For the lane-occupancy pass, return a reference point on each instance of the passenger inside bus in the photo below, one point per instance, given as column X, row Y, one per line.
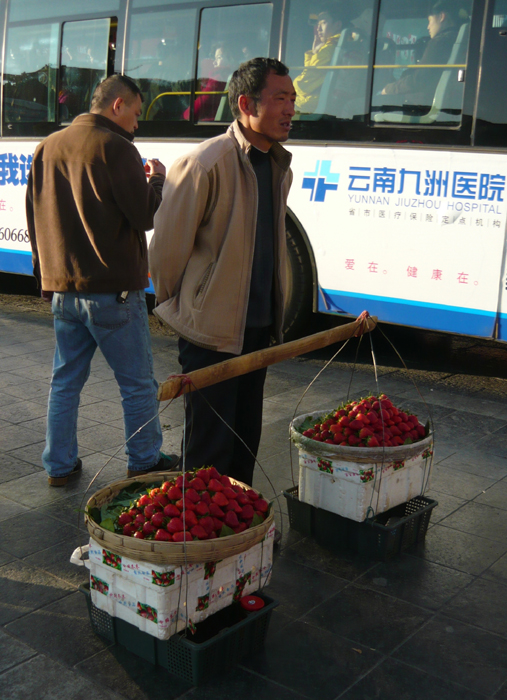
column 416, row 86
column 331, row 21
column 214, row 74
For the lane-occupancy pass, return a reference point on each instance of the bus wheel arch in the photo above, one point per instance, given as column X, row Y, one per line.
column 301, row 280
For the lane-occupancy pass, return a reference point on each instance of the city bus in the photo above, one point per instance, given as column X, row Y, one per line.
column 398, row 202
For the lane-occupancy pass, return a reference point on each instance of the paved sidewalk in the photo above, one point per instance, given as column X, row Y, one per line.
column 429, row 625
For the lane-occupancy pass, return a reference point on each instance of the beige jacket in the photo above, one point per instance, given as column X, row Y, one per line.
column 202, row 249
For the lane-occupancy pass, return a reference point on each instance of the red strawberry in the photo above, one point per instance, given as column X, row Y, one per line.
column 335, row 429
column 372, row 441
column 189, row 518
column 220, row 499
column 215, row 485
column 182, row 536
column 229, row 493
column 365, row 432
column 421, row 430
column 201, row 508
column 262, row 505
column 178, row 482
column 198, row 484
column 145, row 501
column 225, row 481
column 235, row 506
column 148, row 528
column 133, row 512
column 140, row 519
column 205, row 497
column 149, row 511
column 139, row 534
column 171, row 511
column 124, row 519
column 243, row 499
column 129, row 529
column 231, row 519
column 356, row 424
column 174, row 525
column 199, row 532
column 353, row 440
column 163, row 536
column 174, row 493
column 212, row 535
column 192, row 495
column 344, row 421
column 207, row 523
column 217, row 524
column 204, row 474
column 241, row 527
column 247, row 513
column 214, row 473
column 216, row 511
column 158, row 520
column 237, row 488
column 252, row 495
column 161, row 500
column 404, row 427
column 189, row 505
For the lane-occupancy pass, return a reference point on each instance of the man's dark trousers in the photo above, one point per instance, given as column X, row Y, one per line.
column 209, row 442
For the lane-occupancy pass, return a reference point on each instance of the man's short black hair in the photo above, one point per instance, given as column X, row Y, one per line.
column 449, row 7
column 338, row 11
column 109, row 89
column 250, row 79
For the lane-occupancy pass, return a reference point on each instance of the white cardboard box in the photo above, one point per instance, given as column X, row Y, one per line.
column 163, row 600
column 356, row 490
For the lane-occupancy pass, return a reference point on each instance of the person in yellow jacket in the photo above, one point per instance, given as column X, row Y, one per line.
column 327, row 32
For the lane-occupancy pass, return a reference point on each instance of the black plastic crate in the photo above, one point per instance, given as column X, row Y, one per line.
column 219, row 642
column 381, row 537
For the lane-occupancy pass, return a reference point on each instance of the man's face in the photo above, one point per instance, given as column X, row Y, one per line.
column 128, row 114
column 434, row 24
column 326, row 28
column 275, row 109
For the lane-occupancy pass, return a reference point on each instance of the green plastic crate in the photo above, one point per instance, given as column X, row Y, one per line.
column 382, row 537
column 219, row 643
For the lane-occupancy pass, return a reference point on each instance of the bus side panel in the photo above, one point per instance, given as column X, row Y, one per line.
column 415, row 236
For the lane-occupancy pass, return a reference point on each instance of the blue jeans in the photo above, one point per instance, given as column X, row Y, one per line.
column 83, row 322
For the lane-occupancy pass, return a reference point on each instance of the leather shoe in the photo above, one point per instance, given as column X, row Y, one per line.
column 62, row 480
column 166, row 463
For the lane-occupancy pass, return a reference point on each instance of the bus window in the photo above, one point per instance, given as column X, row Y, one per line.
column 328, row 51
column 87, row 52
column 159, row 57
column 420, row 62
column 228, row 36
column 31, row 59
column 491, row 120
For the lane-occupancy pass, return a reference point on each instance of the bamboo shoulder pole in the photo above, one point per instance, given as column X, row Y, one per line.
column 177, row 385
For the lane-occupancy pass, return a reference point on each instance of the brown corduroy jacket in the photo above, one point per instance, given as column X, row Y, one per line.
column 88, row 206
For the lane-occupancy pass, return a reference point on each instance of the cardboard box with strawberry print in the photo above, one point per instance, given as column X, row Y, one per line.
column 163, row 600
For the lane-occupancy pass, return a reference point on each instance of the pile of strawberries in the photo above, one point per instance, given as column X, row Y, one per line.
column 370, row 422
column 203, row 506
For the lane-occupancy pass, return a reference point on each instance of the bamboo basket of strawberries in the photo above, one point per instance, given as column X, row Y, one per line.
column 165, row 518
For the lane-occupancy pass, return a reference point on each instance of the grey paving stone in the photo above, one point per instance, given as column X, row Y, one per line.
column 36, row 391
column 459, row 550
column 8, row 399
column 298, row 588
column 309, row 660
column 102, row 412
column 480, row 665
column 8, row 509
column 67, row 623
column 132, row 678
column 26, row 588
column 478, row 462
column 458, row 483
column 482, row 520
column 307, row 552
column 13, row 437
column 12, row 652
column 13, row 468
column 497, row 571
column 58, row 683
column 102, row 437
column 392, row 679
column 23, row 534
column 481, row 604
column 372, row 619
column 55, row 560
column 416, row 581
column 495, row 496
column 446, row 505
